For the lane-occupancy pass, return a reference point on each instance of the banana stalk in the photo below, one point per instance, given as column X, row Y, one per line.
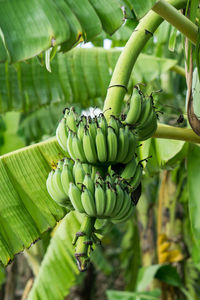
column 84, row 243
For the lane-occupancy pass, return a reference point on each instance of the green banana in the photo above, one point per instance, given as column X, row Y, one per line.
column 80, row 130
column 129, row 169
column 136, row 179
column 131, row 147
column 69, row 162
column 56, row 180
column 95, row 173
column 135, row 108
column 87, row 168
column 71, row 119
column 146, row 110
column 66, row 177
column 60, row 164
column 114, row 123
column 112, row 143
column 57, row 197
column 88, row 202
column 119, row 201
column 98, row 179
column 102, row 123
column 123, row 145
column 110, row 200
column 54, row 188
column 69, row 145
column 79, row 174
column 125, row 218
column 125, row 207
column 92, row 127
column 101, row 145
column 89, row 147
column 149, row 129
column 84, row 120
column 61, row 134
column 89, row 183
column 75, row 197
column 74, row 167
column 78, row 149
column 100, row 200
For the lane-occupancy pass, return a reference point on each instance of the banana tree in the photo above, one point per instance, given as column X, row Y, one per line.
column 83, row 77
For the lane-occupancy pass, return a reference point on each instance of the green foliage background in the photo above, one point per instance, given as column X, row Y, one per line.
column 42, row 72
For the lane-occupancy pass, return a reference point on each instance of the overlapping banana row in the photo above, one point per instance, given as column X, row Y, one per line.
column 84, row 188
column 141, row 115
column 94, row 141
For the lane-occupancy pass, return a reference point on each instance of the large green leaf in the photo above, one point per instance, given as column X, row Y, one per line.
column 26, row 208
column 30, row 28
column 58, row 269
column 167, row 149
column 141, row 7
column 79, row 76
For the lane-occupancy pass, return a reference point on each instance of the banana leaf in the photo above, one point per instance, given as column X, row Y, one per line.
column 78, row 76
column 27, row 29
column 26, row 209
column 58, row 270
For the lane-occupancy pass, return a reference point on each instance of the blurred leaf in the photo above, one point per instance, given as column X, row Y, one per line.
column 145, row 277
column 131, row 256
column 11, row 140
column 58, row 270
column 100, row 261
column 151, row 295
column 2, row 275
column 196, row 93
column 51, row 24
column 153, row 67
column 41, row 122
column 172, row 39
column 169, row 275
column 193, row 190
column 193, row 9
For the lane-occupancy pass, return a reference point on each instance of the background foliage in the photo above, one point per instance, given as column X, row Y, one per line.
column 154, row 255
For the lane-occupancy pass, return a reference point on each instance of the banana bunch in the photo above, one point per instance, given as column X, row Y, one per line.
column 94, row 140
column 142, row 115
column 81, row 187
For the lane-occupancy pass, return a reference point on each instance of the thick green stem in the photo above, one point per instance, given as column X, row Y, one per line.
column 176, row 133
column 127, row 59
column 174, row 17
column 83, row 242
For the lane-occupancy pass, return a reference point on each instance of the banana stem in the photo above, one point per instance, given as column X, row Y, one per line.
column 84, row 243
column 179, row 70
column 174, row 17
column 175, row 133
column 127, row 59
